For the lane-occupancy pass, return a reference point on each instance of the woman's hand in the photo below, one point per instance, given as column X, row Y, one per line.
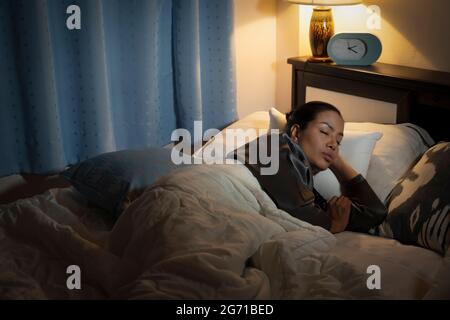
column 339, row 211
column 337, row 163
column 342, row 170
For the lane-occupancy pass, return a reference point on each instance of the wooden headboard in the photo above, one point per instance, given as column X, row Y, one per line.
column 422, row 96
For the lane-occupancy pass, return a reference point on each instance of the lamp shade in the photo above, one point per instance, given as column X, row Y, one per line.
column 327, row 2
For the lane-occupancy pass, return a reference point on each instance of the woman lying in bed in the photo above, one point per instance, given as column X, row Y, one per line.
column 310, row 144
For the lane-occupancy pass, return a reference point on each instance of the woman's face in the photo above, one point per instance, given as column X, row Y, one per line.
column 321, row 138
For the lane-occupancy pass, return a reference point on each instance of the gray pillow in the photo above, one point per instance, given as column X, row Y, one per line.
column 107, row 180
column 419, row 206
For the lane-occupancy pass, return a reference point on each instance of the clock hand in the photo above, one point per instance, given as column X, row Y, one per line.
column 351, row 49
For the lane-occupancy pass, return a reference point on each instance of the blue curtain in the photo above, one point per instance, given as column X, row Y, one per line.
column 134, row 72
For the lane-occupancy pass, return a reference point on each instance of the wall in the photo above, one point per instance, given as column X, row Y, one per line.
column 413, row 32
column 266, row 35
column 287, row 46
column 255, row 43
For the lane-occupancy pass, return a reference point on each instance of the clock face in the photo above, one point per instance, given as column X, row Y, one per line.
column 348, row 49
column 354, row 49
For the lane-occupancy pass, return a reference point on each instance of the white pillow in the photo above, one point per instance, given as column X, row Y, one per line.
column 397, row 151
column 259, row 121
column 277, row 119
column 392, row 156
column 356, row 148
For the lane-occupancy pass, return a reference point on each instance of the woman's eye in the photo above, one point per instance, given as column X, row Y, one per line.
column 324, row 132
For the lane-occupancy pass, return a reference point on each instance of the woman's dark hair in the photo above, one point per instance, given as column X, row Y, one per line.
column 306, row 113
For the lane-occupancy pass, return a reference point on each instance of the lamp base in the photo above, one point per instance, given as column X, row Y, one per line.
column 321, row 29
column 319, row 60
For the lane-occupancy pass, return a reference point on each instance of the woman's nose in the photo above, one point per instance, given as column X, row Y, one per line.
column 332, row 145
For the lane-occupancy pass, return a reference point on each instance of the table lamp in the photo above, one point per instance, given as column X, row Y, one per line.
column 322, row 26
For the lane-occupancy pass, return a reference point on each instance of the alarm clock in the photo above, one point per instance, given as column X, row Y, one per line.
column 354, row 49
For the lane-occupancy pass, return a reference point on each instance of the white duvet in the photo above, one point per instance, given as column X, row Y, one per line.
column 205, row 232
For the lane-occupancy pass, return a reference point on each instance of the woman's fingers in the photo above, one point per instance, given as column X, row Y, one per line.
column 339, row 210
column 333, row 200
column 344, row 202
column 341, row 207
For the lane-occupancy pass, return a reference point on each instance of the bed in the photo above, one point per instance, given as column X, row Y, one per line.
column 210, row 231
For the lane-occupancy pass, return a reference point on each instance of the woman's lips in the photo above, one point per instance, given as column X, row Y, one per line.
column 327, row 157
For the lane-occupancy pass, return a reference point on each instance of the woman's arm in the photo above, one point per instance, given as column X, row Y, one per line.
column 366, row 211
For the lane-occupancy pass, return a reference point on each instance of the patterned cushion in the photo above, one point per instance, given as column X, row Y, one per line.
column 419, row 206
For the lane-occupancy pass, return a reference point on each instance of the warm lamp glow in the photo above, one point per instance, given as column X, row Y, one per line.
column 327, row 2
column 322, row 25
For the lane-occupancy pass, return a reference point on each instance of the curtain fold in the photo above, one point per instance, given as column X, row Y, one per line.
column 204, row 62
column 136, row 70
